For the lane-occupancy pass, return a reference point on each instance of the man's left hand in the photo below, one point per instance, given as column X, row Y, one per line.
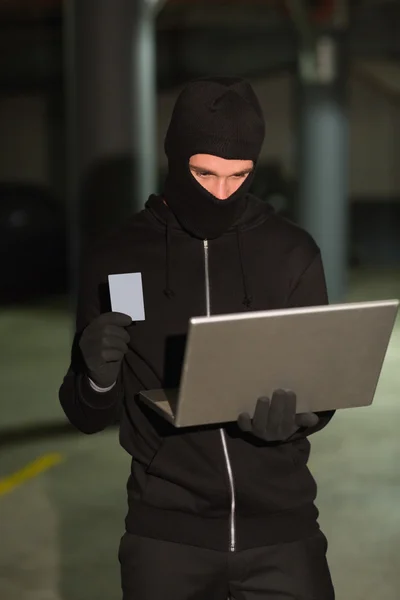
column 275, row 419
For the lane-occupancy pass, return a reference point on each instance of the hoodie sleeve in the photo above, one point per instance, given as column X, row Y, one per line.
column 310, row 290
column 88, row 410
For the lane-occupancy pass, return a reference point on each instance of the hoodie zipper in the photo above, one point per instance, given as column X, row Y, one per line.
column 232, row 537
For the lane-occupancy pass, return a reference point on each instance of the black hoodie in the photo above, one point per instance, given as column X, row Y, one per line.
column 214, row 487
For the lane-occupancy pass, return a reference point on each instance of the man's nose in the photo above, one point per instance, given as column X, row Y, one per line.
column 222, row 189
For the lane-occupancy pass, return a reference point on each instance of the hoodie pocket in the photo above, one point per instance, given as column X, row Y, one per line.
column 270, row 478
column 187, row 474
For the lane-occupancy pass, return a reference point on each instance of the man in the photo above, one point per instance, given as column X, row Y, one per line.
column 213, row 511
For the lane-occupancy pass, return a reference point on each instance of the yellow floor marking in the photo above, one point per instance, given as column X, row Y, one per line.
column 33, row 469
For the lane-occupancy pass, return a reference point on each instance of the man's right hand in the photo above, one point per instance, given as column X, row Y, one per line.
column 104, row 344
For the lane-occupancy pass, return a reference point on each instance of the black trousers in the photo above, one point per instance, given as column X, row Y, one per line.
column 157, row 570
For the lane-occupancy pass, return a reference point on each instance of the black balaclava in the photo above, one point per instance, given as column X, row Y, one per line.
column 221, row 117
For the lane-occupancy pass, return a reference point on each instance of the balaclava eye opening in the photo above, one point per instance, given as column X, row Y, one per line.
column 221, row 117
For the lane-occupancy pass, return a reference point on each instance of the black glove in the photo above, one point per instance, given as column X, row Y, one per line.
column 276, row 420
column 104, row 344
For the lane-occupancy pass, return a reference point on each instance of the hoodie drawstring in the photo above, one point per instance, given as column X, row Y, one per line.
column 248, row 299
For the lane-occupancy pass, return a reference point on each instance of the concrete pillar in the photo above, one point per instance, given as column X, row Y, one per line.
column 323, row 157
column 110, row 89
column 144, row 101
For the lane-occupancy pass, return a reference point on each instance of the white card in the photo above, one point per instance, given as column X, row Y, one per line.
column 126, row 293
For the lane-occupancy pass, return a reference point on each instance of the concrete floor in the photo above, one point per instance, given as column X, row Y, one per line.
column 60, row 530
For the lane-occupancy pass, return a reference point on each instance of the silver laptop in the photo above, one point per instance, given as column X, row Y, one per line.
column 330, row 356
